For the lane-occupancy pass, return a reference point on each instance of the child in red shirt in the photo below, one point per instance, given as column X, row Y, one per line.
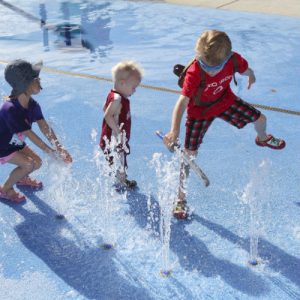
column 206, row 94
column 116, row 125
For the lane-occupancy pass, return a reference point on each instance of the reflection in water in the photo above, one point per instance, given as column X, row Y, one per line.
column 92, row 33
column 43, row 15
column 64, row 30
column 95, row 22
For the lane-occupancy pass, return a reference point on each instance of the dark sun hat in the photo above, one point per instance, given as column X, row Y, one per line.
column 20, row 73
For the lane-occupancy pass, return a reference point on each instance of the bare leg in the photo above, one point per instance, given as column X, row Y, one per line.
column 180, row 210
column 27, row 162
column 260, row 126
column 184, row 174
column 122, row 174
column 121, row 171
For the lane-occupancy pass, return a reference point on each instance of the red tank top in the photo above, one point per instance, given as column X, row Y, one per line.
column 124, row 118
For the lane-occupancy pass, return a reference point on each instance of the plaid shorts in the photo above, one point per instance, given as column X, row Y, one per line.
column 239, row 114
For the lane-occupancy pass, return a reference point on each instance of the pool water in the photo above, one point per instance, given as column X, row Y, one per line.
column 42, row 257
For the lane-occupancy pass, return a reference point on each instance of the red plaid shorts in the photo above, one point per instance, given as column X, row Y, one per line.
column 239, row 114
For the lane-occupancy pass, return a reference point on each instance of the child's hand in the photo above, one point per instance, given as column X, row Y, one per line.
column 65, row 155
column 251, row 77
column 170, row 140
column 122, row 142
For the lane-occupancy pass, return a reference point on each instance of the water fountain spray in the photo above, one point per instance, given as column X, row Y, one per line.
column 167, row 174
column 106, row 187
column 254, row 195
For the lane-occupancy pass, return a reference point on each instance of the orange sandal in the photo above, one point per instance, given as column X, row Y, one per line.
column 29, row 182
column 12, row 196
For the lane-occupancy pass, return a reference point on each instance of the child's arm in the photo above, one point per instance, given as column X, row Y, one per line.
column 38, row 141
column 111, row 115
column 178, row 111
column 251, row 77
column 50, row 135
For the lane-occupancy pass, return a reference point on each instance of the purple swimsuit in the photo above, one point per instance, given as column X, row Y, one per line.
column 14, row 119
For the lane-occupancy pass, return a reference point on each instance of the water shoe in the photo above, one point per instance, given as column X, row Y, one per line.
column 29, row 182
column 12, row 196
column 271, row 142
column 180, row 210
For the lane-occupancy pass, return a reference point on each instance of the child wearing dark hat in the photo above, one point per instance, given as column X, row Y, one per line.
column 16, row 117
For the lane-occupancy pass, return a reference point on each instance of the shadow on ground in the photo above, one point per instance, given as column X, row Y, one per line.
column 276, row 258
column 194, row 255
column 90, row 271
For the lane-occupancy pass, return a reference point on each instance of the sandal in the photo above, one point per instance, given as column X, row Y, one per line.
column 29, row 182
column 271, row 142
column 121, row 179
column 12, row 196
column 180, row 210
column 130, row 184
column 126, row 185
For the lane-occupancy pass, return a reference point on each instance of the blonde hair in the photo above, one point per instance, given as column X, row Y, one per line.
column 124, row 69
column 213, row 46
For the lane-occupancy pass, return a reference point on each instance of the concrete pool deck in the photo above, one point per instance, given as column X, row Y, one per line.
column 289, row 8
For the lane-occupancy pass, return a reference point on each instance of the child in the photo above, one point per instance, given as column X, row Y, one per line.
column 207, row 95
column 16, row 117
column 116, row 126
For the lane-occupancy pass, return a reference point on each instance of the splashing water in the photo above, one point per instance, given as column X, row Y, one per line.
column 62, row 185
column 106, row 190
column 256, row 192
column 167, row 174
column 106, row 196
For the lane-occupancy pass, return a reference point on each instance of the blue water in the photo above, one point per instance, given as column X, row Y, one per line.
column 45, row 258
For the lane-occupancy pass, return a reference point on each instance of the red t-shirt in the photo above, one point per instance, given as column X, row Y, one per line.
column 214, row 88
column 124, row 117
